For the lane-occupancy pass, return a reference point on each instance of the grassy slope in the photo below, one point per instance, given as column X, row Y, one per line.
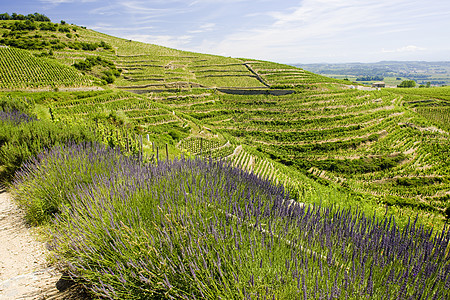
column 301, row 140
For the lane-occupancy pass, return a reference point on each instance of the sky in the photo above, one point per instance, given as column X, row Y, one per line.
column 285, row 31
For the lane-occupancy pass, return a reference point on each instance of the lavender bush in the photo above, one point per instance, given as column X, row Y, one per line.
column 198, row 229
column 22, row 137
column 45, row 182
column 15, row 116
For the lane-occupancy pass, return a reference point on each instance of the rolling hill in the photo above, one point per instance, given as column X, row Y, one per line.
column 149, row 67
column 281, row 122
column 166, row 174
column 391, row 72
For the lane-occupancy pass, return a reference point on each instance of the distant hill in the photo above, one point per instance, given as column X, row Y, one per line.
column 393, row 72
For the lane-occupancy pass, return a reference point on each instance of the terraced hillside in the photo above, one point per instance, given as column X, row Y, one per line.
column 371, row 142
column 130, row 121
column 147, row 67
column 280, row 122
column 279, row 75
column 136, row 110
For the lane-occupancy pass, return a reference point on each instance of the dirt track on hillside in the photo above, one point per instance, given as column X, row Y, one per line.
column 24, row 273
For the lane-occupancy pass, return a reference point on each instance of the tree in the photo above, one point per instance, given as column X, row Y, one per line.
column 27, row 25
column 38, row 17
column 48, row 26
column 17, row 16
column 5, row 16
column 407, row 84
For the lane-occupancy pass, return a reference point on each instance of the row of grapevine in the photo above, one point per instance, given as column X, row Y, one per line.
column 439, row 115
column 199, row 145
column 354, row 138
column 125, row 107
column 270, row 170
column 19, row 69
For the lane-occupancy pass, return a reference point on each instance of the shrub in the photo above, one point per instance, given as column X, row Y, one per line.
column 407, row 84
column 48, row 26
column 40, row 198
column 27, row 25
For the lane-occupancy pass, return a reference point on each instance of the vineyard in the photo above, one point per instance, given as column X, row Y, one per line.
column 279, row 75
column 181, row 146
column 147, row 72
column 200, row 146
column 439, row 115
column 20, row 70
column 148, row 68
column 367, row 141
column 259, row 166
column 442, row 93
column 433, row 105
column 110, row 110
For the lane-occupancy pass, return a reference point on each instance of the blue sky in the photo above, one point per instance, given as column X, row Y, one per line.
column 287, row 31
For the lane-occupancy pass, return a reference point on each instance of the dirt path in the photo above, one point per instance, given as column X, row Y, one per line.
column 24, row 273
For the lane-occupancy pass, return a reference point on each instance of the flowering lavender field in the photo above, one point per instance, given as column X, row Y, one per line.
column 201, row 229
column 15, row 116
column 23, row 136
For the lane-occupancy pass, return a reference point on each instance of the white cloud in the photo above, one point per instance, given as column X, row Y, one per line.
column 197, row 2
column 410, row 48
column 139, row 12
column 56, row 2
column 323, row 30
column 284, row 31
column 163, row 40
column 113, row 29
column 203, row 28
